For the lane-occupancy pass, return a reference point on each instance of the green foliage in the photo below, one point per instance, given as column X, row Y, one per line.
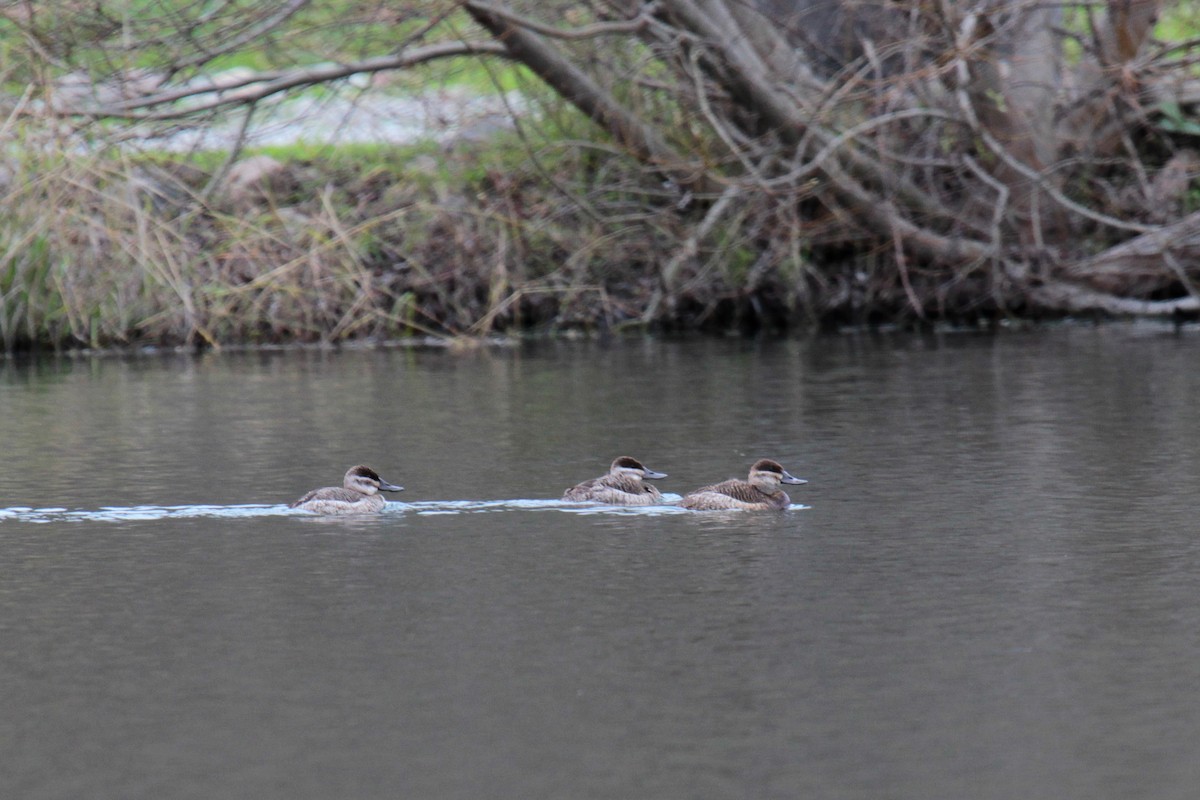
column 1174, row 120
column 1179, row 22
column 190, row 37
column 738, row 258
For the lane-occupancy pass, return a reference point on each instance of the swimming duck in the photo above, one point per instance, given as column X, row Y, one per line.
column 760, row 493
column 358, row 494
column 622, row 486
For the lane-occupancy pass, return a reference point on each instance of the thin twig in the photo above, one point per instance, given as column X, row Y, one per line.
column 902, row 266
column 262, row 85
column 222, row 172
column 593, row 31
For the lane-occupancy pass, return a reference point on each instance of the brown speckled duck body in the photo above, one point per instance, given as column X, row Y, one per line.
column 760, row 493
column 624, row 485
column 358, row 494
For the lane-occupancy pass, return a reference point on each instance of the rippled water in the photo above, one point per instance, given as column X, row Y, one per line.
column 991, row 593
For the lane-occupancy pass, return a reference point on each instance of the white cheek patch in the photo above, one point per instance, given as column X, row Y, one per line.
column 768, row 480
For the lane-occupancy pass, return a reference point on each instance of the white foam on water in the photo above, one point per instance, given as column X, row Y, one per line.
column 420, row 508
column 125, row 514
column 485, row 506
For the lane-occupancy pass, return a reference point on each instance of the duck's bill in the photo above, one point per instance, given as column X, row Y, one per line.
column 384, row 486
column 652, row 475
column 792, row 480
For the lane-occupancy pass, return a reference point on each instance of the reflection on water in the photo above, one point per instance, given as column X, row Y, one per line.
column 990, row 594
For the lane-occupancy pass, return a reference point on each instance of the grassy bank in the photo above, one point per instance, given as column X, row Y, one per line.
column 532, row 231
column 105, row 248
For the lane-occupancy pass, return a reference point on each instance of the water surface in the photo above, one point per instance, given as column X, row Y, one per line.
column 991, row 594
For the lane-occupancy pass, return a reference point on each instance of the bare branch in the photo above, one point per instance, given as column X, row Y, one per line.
column 1140, row 259
column 576, row 86
column 742, row 70
column 883, row 215
column 1043, row 183
column 235, row 150
column 262, row 85
column 1001, row 199
column 593, row 31
column 832, row 145
column 1058, row 296
column 248, row 36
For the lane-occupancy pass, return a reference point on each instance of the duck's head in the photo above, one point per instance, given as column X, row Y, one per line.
column 366, row 480
column 767, row 475
column 634, row 468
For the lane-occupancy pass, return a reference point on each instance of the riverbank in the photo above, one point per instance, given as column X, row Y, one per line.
column 472, row 229
column 451, row 238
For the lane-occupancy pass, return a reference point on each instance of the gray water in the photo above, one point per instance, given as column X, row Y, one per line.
column 992, row 592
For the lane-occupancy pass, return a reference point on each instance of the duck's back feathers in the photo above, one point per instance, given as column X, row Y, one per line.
column 582, row 492
column 734, row 494
column 336, row 500
column 334, row 493
column 614, row 490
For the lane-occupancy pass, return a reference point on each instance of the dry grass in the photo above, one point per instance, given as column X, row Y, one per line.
column 104, row 248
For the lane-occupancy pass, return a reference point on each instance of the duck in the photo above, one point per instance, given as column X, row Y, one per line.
column 622, row 486
column 358, row 494
column 760, row 492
